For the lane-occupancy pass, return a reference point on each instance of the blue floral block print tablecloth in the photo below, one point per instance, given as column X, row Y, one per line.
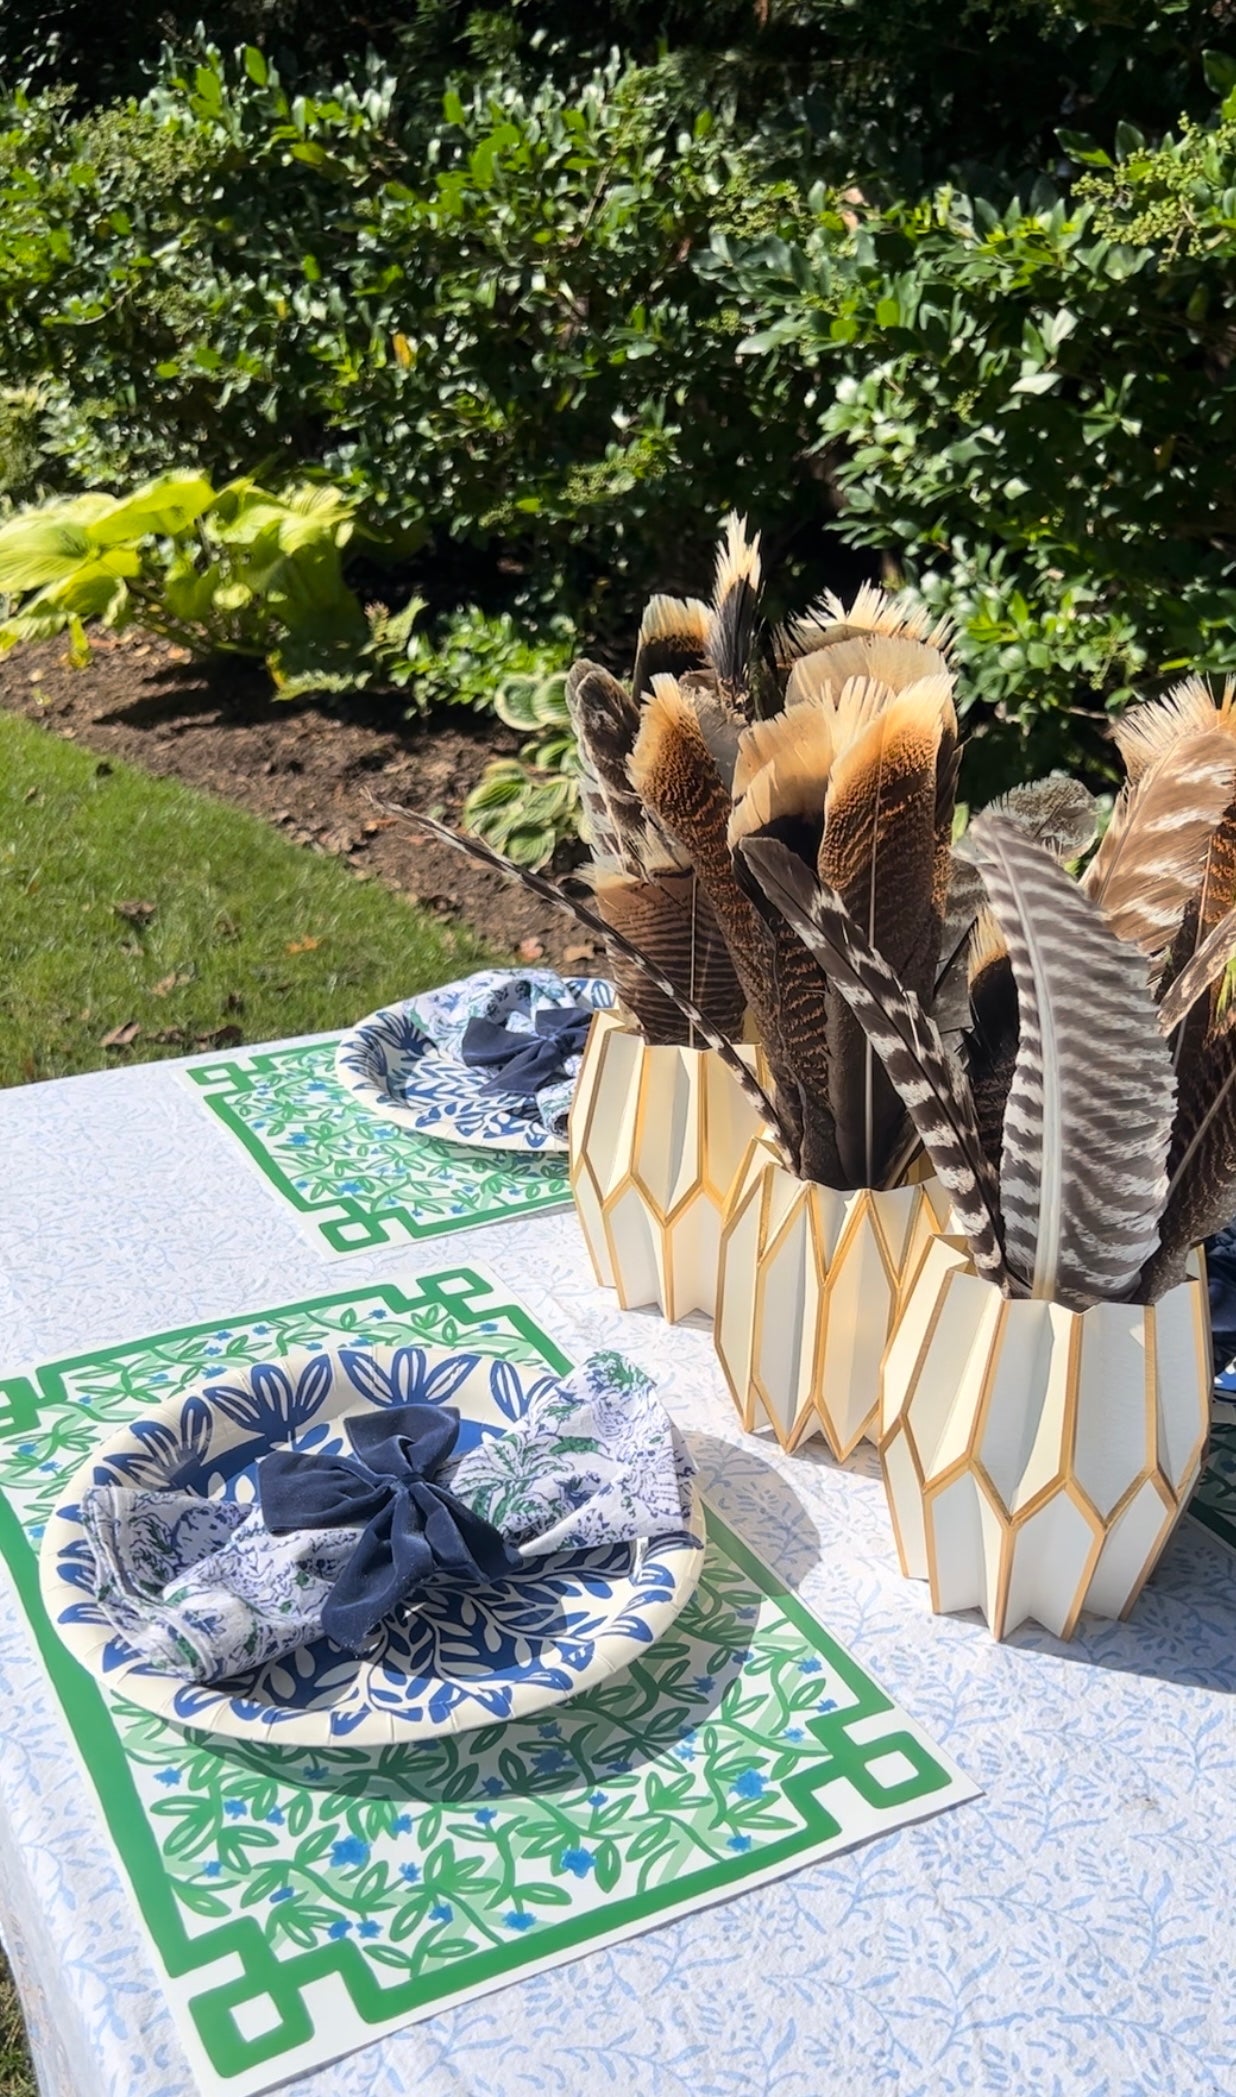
column 299, row 1903
column 351, row 1180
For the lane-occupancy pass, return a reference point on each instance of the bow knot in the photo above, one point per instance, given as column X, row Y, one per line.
column 415, row 1533
column 524, row 1064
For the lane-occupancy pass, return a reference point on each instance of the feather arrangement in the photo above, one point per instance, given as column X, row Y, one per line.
column 773, row 857
column 1090, row 1141
column 645, row 886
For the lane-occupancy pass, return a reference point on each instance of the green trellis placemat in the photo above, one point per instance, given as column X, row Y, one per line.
column 352, row 1181
column 299, row 1903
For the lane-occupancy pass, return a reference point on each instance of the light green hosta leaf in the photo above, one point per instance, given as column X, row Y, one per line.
column 40, row 548
column 162, row 509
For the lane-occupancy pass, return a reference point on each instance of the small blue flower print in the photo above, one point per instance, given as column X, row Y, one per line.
column 702, row 1685
column 810, row 1667
column 827, row 1704
column 441, row 1911
column 235, row 1808
column 519, row 1922
column 339, row 1929
column 486, row 1816
column 168, row 1776
column 350, row 1851
column 578, row 1861
column 547, row 1760
column 549, row 1731
column 794, row 1733
column 749, row 1785
column 370, row 1929
column 275, row 1816
column 280, row 1893
column 493, row 1787
column 739, row 1842
column 299, row 1139
column 596, row 1798
column 212, row 1870
column 410, row 1872
column 403, row 1826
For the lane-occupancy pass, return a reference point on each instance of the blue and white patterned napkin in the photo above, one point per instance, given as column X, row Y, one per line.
column 508, row 998
column 202, row 1589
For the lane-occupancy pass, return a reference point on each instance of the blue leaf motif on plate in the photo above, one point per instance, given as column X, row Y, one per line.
column 507, row 1391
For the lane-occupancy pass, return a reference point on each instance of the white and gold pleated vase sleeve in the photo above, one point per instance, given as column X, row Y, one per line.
column 656, row 1137
column 1037, row 1459
column 810, row 1284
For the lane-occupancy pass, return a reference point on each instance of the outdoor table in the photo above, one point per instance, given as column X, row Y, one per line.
column 1070, row 1930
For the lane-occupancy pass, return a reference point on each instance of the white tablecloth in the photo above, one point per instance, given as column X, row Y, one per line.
column 1069, row 1934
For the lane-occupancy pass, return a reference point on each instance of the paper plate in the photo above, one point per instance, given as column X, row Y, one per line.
column 391, row 1068
column 464, row 1660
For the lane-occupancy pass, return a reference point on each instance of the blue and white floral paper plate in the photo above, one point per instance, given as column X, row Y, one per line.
column 464, row 1660
column 391, row 1067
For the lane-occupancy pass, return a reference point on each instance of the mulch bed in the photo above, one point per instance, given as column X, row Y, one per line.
column 304, row 766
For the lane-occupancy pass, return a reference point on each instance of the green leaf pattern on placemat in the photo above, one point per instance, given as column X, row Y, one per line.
column 353, row 1180
column 746, row 1741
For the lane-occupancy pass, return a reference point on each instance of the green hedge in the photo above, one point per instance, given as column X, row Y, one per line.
column 936, row 284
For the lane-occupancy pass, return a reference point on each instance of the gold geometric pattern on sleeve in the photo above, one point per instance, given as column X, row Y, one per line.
column 810, row 1282
column 1036, row 1459
column 656, row 1136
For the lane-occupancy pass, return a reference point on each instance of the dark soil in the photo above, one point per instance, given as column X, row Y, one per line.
column 309, row 768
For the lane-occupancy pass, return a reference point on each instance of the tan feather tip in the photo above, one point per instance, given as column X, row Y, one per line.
column 683, row 619
column 668, row 712
column 785, row 765
column 987, row 944
column 878, row 611
column 738, row 558
column 1143, row 733
column 801, row 739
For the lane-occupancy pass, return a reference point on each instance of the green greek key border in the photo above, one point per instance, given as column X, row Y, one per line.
column 346, row 1224
column 281, row 1981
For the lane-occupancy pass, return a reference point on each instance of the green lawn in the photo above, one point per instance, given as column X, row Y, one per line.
column 246, row 931
column 125, row 899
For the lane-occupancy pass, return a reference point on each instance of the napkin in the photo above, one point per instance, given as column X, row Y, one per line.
column 465, row 1020
column 209, row 1588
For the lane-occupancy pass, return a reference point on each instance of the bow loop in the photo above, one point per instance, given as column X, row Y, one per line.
column 414, row 1533
column 523, row 1064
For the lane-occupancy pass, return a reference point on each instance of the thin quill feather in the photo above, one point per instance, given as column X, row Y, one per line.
column 1089, row 1112
column 931, row 1086
column 1151, row 861
column 549, row 892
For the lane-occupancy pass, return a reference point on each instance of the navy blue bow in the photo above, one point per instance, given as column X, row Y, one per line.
column 416, row 1533
column 523, row 1063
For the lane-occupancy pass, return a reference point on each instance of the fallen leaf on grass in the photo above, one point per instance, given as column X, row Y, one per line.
column 376, row 823
column 223, row 1037
column 530, row 949
column 166, row 984
column 136, row 913
column 170, row 1037
column 32, row 793
column 122, row 1037
column 302, row 946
